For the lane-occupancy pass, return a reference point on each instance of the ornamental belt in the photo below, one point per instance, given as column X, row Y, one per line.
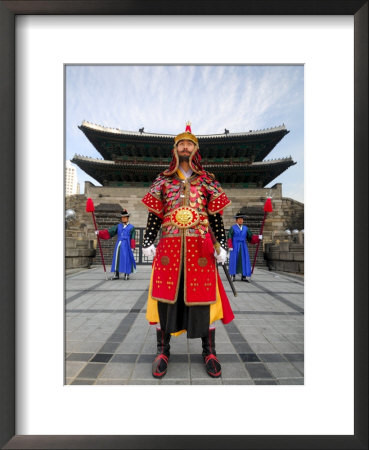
column 185, row 217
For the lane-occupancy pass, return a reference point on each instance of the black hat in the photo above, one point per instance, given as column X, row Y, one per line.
column 239, row 215
column 124, row 213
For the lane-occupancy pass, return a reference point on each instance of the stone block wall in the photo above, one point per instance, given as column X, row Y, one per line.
column 80, row 241
column 286, row 254
column 108, row 200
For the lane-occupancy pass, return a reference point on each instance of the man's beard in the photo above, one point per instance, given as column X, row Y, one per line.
column 184, row 158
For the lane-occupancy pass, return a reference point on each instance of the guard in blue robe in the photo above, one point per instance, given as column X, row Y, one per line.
column 239, row 259
column 123, row 259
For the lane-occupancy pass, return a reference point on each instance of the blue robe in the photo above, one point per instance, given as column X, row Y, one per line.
column 123, row 259
column 239, row 252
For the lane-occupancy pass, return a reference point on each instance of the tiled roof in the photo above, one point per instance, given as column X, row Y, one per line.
column 116, row 131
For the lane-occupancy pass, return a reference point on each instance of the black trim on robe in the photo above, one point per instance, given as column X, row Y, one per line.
column 152, row 229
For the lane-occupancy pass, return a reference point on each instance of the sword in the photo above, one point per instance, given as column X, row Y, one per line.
column 225, row 268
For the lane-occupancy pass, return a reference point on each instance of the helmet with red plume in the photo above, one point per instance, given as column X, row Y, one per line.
column 195, row 158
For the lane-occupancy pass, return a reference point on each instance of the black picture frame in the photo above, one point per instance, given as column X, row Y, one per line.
column 8, row 11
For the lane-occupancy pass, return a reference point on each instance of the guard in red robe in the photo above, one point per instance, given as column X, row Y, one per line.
column 186, row 293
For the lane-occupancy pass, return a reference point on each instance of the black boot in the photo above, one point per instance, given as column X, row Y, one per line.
column 160, row 364
column 245, row 279
column 116, row 276
column 126, row 276
column 212, row 365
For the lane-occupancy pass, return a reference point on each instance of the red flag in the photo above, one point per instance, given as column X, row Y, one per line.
column 90, row 205
column 268, row 205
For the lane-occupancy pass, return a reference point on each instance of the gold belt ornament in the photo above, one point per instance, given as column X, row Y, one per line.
column 185, row 217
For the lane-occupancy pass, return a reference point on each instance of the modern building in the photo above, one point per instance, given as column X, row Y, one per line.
column 71, row 182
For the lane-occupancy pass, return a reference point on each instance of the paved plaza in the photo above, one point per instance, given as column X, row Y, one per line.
column 109, row 341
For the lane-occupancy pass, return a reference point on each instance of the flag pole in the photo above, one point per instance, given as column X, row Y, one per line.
column 91, row 208
column 267, row 208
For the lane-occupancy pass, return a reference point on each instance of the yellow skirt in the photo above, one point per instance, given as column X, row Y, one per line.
column 152, row 315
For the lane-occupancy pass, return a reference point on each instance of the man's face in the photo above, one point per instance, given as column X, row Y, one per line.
column 239, row 221
column 185, row 148
column 124, row 219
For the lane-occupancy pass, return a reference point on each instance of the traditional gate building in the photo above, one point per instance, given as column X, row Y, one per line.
column 131, row 161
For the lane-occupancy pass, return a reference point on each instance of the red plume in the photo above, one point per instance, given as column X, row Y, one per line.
column 268, row 205
column 90, row 205
column 188, row 127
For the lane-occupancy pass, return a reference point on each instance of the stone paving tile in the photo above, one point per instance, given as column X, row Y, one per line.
column 294, row 357
column 178, row 370
column 130, row 347
column 83, row 381
column 206, row 381
column 223, row 348
column 294, row 337
column 152, row 380
column 289, row 381
column 234, row 370
column 258, row 370
column 299, row 366
column 286, row 347
column 122, row 371
column 271, row 357
column 146, row 358
column 170, row 381
column 243, row 347
column 124, row 358
column 244, row 329
column 283, row 370
column 102, row 357
column 109, row 347
column 72, row 368
column 275, row 337
column 265, row 382
column 255, row 338
column 300, row 347
column 85, row 346
column 77, row 335
column 142, row 371
column 198, row 370
column 238, row 381
column 263, row 348
column 79, row 356
column 91, row 370
column 111, row 381
column 249, row 357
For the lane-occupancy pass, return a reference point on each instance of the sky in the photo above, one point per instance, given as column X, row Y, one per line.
column 212, row 97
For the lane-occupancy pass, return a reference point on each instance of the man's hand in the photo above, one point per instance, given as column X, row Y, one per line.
column 221, row 258
column 97, row 232
column 260, row 237
column 149, row 251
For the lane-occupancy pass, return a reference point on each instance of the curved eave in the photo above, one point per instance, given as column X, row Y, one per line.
column 99, row 136
column 114, row 132
column 266, row 171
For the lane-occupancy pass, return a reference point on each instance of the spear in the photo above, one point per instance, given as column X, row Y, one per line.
column 267, row 208
column 91, row 208
column 217, row 249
